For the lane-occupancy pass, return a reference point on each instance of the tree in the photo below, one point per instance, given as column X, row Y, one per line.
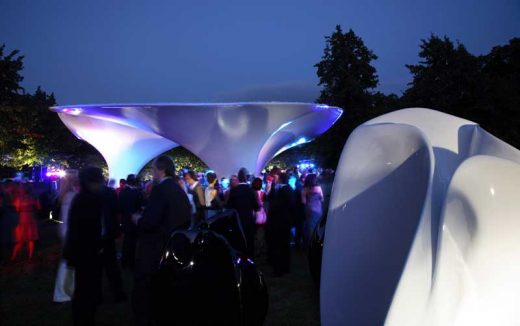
column 347, row 77
column 10, row 78
column 30, row 134
column 345, row 71
column 500, row 92
column 447, row 79
column 484, row 89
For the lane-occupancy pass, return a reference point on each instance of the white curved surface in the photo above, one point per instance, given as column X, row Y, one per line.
column 410, row 259
column 477, row 277
column 377, row 197
column 226, row 136
column 125, row 149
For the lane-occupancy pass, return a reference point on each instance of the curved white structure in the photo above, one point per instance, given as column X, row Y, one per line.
column 226, row 136
column 423, row 225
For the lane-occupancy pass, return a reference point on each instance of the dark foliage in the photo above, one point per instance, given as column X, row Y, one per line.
column 30, row 134
column 484, row 89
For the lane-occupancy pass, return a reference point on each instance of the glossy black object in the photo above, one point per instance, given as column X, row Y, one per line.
column 202, row 280
column 316, row 250
column 227, row 224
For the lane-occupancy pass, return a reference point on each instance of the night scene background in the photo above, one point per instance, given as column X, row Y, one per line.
column 367, row 57
column 454, row 56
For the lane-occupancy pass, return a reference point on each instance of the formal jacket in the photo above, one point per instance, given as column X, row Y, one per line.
column 130, row 201
column 244, row 199
column 168, row 209
column 282, row 207
column 83, row 242
column 110, row 219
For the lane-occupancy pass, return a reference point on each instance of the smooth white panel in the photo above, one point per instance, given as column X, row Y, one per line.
column 477, row 280
column 414, row 299
column 375, row 207
column 125, row 149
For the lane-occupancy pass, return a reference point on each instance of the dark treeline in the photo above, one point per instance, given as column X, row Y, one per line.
column 29, row 133
column 448, row 78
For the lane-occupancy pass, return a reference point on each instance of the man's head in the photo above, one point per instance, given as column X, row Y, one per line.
column 190, row 177
column 131, row 180
column 91, row 179
column 211, row 177
column 283, row 178
column 162, row 167
column 242, row 175
column 122, row 183
column 233, row 181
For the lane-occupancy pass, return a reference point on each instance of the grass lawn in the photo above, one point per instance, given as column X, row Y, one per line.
column 26, row 292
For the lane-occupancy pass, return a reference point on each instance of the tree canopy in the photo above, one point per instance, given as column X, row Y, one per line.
column 484, row 89
column 29, row 133
column 10, row 77
column 448, row 78
column 347, row 78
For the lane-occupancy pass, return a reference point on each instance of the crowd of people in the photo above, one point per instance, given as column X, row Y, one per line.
column 277, row 210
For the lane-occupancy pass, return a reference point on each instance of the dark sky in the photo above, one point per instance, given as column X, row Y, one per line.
column 167, row 51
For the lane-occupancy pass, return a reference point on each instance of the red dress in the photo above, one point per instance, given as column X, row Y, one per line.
column 27, row 229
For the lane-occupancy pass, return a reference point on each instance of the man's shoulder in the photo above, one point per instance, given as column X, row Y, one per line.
column 169, row 186
column 241, row 189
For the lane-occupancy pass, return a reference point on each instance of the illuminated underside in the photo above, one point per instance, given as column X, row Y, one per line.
column 226, row 136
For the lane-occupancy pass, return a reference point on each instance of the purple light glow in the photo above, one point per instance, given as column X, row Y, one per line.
column 55, row 174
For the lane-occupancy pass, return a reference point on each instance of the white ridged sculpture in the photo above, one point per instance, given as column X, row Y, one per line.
column 226, row 136
column 423, row 226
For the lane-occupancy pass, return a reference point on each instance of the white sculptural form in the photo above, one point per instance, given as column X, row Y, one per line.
column 423, row 226
column 226, row 136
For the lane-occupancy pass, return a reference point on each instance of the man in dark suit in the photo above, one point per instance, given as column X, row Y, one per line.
column 243, row 199
column 110, row 231
column 281, row 210
column 168, row 209
column 131, row 199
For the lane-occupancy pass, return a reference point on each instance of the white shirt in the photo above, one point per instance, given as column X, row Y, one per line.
column 209, row 195
column 194, row 185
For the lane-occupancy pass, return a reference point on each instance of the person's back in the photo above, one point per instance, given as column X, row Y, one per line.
column 130, row 201
column 83, row 245
column 313, row 200
column 243, row 199
column 110, row 213
column 110, row 231
column 281, row 211
column 312, row 197
column 83, row 239
column 282, row 205
column 167, row 209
